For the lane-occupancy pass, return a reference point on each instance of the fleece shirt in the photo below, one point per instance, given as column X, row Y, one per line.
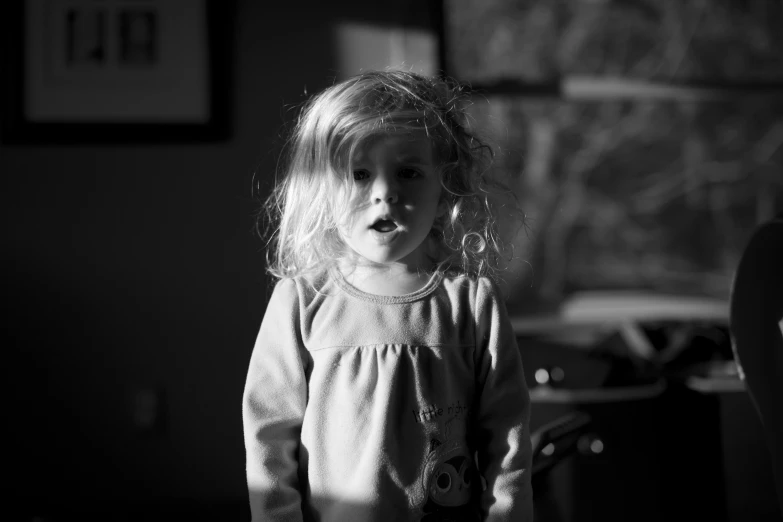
column 364, row 407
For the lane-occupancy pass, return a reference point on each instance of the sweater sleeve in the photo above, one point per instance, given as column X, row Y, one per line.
column 503, row 416
column 273, row 406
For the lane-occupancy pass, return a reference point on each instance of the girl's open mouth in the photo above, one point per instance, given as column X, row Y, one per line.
column 384, row 225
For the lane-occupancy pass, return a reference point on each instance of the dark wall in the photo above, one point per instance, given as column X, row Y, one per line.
column 131, row 268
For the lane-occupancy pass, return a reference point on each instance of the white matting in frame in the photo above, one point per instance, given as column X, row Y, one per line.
column 116, row 61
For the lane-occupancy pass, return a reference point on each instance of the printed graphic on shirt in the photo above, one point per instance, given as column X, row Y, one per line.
column 449, row 482
column 433, row 412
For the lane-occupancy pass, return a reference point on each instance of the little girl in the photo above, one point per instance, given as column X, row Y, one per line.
column 386, row 383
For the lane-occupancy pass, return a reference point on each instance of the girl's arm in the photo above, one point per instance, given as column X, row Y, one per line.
column 272, row 410
column 503, row 413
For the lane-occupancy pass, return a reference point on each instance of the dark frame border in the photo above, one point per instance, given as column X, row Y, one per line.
column 17, row 130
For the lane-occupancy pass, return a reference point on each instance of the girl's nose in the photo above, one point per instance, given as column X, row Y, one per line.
column 385, row 190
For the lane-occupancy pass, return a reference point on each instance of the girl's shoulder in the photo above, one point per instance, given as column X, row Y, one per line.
column 472, row 281
column 475, row 288
column 304, row 287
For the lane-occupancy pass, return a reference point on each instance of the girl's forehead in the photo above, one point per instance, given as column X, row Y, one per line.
column 404, row 143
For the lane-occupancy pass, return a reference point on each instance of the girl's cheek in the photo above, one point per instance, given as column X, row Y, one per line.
column 346, row 221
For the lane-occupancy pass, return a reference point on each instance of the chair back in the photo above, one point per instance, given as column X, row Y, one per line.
column 756, row 325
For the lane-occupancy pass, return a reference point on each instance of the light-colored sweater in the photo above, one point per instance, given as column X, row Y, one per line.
column 363, row 407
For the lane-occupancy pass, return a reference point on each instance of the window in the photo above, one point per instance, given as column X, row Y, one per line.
column 644, row 138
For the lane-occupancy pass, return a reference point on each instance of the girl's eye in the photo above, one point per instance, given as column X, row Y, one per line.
column 409, row 173
column 359, row 175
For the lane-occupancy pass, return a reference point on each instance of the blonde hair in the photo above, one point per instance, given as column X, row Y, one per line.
column 304, row 209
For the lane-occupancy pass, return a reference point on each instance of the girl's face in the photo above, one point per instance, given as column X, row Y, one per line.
column 394, row 199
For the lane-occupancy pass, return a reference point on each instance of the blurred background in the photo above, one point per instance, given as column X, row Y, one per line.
column 642, row 137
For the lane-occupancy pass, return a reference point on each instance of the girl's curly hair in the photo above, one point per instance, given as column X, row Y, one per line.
column 303, row 212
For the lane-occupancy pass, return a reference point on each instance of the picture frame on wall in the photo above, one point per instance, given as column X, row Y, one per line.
column 123, row 71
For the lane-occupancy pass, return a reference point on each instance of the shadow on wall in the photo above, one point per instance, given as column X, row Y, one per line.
column 132, row 267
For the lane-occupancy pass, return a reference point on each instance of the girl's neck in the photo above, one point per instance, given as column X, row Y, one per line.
column 384, row 279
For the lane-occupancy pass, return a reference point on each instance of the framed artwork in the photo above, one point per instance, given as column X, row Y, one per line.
column 123, row 71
